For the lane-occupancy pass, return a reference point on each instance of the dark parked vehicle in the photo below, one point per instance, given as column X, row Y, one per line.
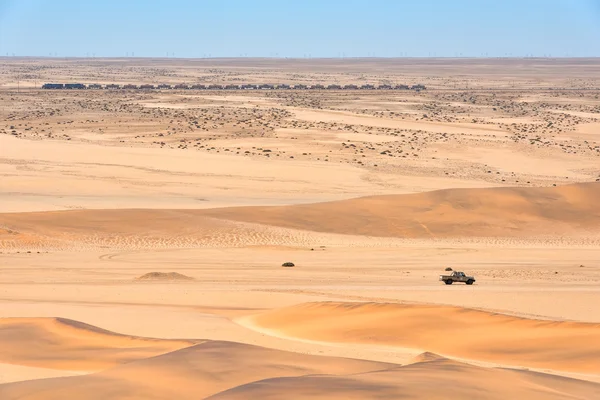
column 457, row 276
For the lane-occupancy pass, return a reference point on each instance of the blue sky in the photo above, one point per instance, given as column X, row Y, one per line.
column 326, row 28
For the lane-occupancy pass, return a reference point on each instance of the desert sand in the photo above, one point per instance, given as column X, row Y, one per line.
column 142, row 233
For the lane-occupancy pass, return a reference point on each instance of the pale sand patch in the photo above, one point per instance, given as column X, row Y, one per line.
column 587, row 131
column 16, row 373
column 498, row 159
column 52, row 175
column 344, row 117
column 171, row 105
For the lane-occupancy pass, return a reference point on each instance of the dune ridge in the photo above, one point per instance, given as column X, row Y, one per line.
column 65, row 344
column 487, row 212
column 440, row 379
column 567, row 211
column 453, row 331
column 230, row 370
column 190, row 373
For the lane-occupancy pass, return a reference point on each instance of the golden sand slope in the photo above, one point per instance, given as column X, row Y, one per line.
column 60, row 343
column 127, row 228
column 498, row 212
column 191, row 373
column 226, row 370
column 453, row 331
column 444, row 213
column 440, row 379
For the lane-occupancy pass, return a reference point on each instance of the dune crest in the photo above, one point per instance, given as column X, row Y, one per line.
column 489, row 212
column 427, row 357
column 438, row 380
column 566, row 211
column 452, row 331
column 60, row 343
column 227, row 370
column 191, row 373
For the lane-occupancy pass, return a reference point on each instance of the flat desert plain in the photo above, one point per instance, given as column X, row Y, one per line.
column 142, row 233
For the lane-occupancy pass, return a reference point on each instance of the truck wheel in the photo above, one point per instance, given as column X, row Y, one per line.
column 470, row 282
column 448, row 281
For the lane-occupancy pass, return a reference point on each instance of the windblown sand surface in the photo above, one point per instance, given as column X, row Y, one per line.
column 227, row 370
column 194, row 372
column 142, row 233
column 445, row 213
column 453, row 213
column 455, row 331
column 60, row 343
column 451, row 380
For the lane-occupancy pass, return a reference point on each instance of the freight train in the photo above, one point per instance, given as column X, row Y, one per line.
column 182, row 86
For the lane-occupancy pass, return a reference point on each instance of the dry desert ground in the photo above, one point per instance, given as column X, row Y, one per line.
column 142, row 233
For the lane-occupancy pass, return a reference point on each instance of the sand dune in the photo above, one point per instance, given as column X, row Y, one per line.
column 497, row 212
column 227, row 370
column 444, row 213
column 191, row 373
column 440, row 379
column 60, row 343
column 120, row 229
column 453, row 331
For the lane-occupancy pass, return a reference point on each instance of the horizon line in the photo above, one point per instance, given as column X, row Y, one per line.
column 300, row 58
